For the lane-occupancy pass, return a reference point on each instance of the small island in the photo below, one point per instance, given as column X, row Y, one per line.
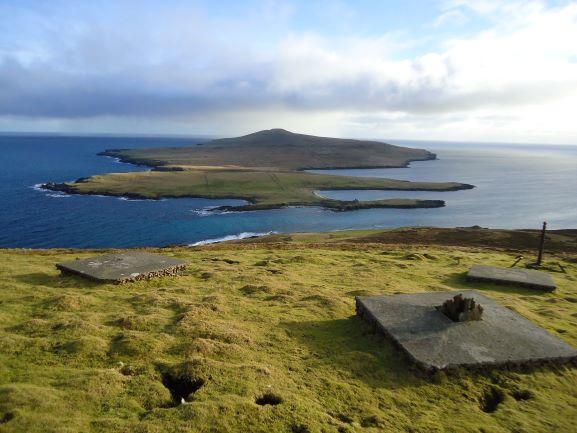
column 266, row 169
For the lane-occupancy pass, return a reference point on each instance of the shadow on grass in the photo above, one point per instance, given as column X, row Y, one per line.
column 460, row 282
column 354, row 350
column 55, row 280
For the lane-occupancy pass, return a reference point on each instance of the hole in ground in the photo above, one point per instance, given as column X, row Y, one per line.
column 182, row 386
column 269, row 398
column 300, row 428
column 8, row 416
column 522, row 394
column 491, row 400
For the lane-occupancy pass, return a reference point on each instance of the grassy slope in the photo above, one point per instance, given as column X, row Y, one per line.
column 259, row 187
column 559, row 241
column 250, row 318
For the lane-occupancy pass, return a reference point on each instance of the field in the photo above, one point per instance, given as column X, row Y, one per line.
column 263, row 334
column 265, row 169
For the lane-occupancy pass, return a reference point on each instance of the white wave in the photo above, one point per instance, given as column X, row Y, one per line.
column 243, row 235
column 131, row 199
column 214, row 210
column 140, row 199
column 38, row 187
column 206, row 211
column 54, row 194
column 228, row 212
column 115, row 159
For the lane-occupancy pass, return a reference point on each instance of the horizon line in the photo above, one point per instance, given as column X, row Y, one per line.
column 215, row 136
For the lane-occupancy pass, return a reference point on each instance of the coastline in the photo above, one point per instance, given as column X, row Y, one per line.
column 268, row 169
column 334, row 205
column 559, row 241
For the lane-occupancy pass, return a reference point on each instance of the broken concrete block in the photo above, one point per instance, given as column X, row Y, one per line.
column 435, row 342
column 521, row 277
column 123, row 267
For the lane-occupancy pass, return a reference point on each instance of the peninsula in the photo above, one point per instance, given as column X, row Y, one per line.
column 266, row 169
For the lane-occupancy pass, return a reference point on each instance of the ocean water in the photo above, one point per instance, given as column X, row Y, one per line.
column 517, row 187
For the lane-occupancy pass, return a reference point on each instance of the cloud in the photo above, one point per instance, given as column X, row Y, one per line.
column 529, row 63
column 453, row 17
column 84, row 61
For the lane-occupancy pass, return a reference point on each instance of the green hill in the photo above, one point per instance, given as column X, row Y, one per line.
column 278, row 149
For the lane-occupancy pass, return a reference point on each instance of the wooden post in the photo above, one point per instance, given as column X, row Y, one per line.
column 541, row 244
column 517, row 260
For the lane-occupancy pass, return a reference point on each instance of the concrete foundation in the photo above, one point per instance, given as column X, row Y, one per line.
column 521, row 277
column 123, row 267
column 435, row 342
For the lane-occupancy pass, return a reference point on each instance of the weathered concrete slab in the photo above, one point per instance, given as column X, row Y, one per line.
column 123, row 267
column 521, row 277
column 435, row 342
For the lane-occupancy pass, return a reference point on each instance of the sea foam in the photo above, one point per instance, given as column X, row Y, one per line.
column 56, row 195
column 243, row 235
column 206, row 211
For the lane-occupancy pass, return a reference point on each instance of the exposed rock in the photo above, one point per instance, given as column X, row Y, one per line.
column 460, row 309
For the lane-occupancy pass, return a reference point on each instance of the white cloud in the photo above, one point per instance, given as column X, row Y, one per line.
column 530, row 63
column 482, row 7
column 516, row 79
column 452, row 17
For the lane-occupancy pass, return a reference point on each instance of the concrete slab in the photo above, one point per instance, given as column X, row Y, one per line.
column 521, row 277
column 123, row 267
column 435, row 342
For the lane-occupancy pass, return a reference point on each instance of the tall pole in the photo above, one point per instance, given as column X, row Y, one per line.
column 541, row 244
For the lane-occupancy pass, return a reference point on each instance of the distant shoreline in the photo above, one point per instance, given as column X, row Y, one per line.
column 268, row 169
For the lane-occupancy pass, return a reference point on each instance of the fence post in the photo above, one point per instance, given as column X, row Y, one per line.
column 541, row 244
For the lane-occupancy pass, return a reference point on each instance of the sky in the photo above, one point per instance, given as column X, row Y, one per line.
column 459, row 70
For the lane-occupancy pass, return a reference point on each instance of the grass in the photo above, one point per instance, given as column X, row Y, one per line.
column 260, row 188
column 559, row 241
column 261, row 337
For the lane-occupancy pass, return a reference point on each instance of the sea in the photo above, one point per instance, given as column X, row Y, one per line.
column 516, row 186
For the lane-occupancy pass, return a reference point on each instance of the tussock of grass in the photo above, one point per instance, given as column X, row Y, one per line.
column 78, row 356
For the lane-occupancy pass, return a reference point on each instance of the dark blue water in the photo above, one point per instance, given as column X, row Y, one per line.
column 517, row 187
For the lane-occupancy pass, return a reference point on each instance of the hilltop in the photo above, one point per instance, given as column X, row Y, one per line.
column 265, row 169
column 280, row 150
column 264, row 333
